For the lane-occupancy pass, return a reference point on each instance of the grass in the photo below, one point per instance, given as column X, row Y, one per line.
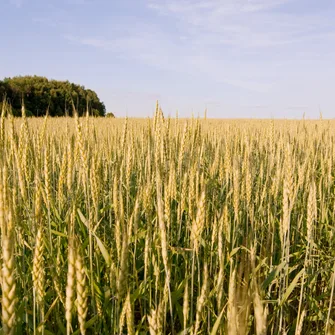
column 167, row 226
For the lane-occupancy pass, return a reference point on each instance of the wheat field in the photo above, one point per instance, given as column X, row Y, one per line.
column 167, row 226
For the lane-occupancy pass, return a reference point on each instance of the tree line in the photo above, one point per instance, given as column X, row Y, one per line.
column 57, row 98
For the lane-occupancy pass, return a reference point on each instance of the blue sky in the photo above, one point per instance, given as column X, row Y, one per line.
column 237, row 58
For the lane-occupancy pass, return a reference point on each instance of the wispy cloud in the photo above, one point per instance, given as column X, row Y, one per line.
column 246, row 44
column 226, row 7
column 158, row 51
column 242, row 23
column 80, row 2
column 17, row 3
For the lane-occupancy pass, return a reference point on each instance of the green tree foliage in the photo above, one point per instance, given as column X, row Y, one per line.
column 41, row 95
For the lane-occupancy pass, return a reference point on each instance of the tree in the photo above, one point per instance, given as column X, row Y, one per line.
column 41, row 95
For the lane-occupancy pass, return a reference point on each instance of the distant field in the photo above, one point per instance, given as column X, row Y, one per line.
column 166, row 226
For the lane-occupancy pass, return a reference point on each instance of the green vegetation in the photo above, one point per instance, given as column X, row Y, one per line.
column 41, row 95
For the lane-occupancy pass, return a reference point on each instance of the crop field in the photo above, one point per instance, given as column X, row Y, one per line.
column 167, row 226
